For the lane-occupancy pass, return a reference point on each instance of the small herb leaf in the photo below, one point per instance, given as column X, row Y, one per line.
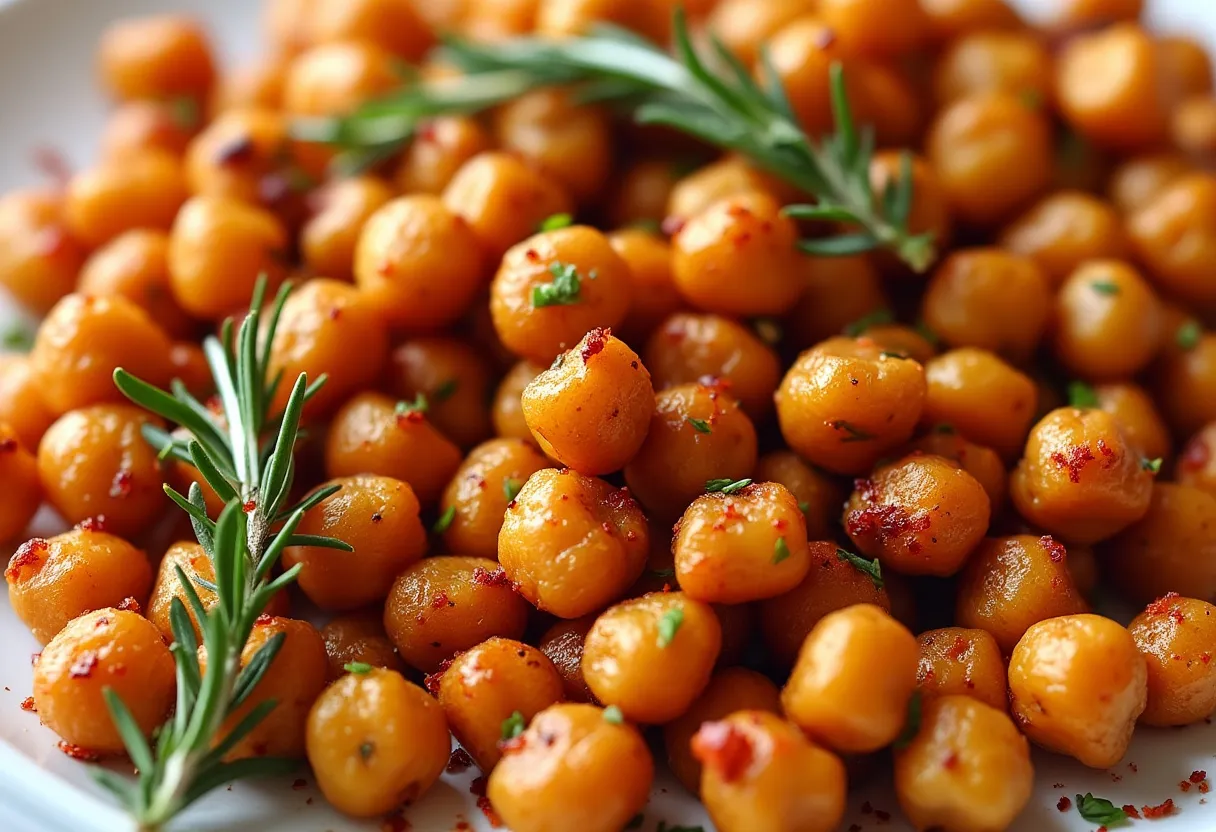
column 669, row 625
column 613, row 715
column 878, row 316
column 446, row 390
column 726, row 486
column 1105, row 287
column 1099, row 810
column 513, row 726
column 1153, row 466
column 445, row 520
column 418, row 405
column 510, row 488
column 870, row 567
column 781, row 550
column 912, row 725
column 563, row 290
column 1188, row 335
column 700, row 425
column 357, row 667
column 1082, row 395
column 556, row 222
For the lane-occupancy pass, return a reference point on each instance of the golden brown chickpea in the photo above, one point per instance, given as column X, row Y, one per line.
column 1107, row 322
column 591, row 410
column 563, row 644
column 188, row 364
column 498, row 19
column 737, row 257
column 1140, row 179
column 39, row 259
column 135, row 265
column 395, row 25
column 876, row 28
column 649, row 19
column 50, row 582
column 982, row 397
column 678, row 457
column 503, row 200
column 1017, row 63
column 488, row 688
column 572, row 544
column 138, row 126
column 854, row 676
column 966, row 770
column 1185, row 384
column 358, row 638
column 641, row 192
column 984, row 464
column 573, row 768
column 1186, row 65
column 949, row 19
column 333, row 78
column 653, row 294
column 158, row 57
column 930, row 210
column 139, row 191
column 846, row 403
column 554, row 287
column 1193, row 127
column 831, row 584
column 1169, row 549
column 991, row 299
column 1196, row 461
column 328, row 239
column 236, row 154
column 727, row 177
column 23, row 489
column 353, row 740
column 688, row 347
column 256, row 84
column 992, row 154
column 1138, row 418
column 217, row 250
column 1012, row 583
column 94, row 462
column 838, row 293
column 745, row 25
column 818, row 495
column 105, row 650
column 439, row 149
column 372, row 434
column 507, row 409
column 21, row 404
column 802, row 52
column 1065, row 229
column 963, row 662
column 1175, row 636
column 1183, row 210
column 899, row 338
column 1077, row 684
column 1080, row 479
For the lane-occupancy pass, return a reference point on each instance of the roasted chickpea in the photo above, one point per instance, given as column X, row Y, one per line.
column 392, row 24
column 574, row 17
column 21, row 404
column 328, row 239
column 353, row 740
column 966, row 770
column 50, row 582
column 839, row 293
column 641, row 193
column 1013, row 62
column 491, row 684
column 135, row 266
column 480, row 491
column 727, row 177
column 801, row 53
column 929, row 212
column 991, row 299
column 1140, row 179
column 1137, row 416
column 439, row 149
column 1065, row 229
column 1077, row 685
column 287, row 25
column 1183, row 210
column 819, row 496
column 188, row 364
column 949, row 19
column 1175, row 635
column 653, row 294
column 1185, row 384
column 745, row 25
column 982, row 397
column 984, row 464
column 105, row 650
column 217, row 250
column 563, row 644
column 498, row 19
column 371, row 434
column 1080, row 15
column 572, row 768
column 909, row 341
column 572, row 544
column 992, row 154
column 19, row 472
column 138, row 126
column 1196, row 461
column 1107, row 321
column 507, row 409
column 158, row 57
column 236, row 155
column 854, row 676
column 958, row 661
column 139, row 191
column 846, row 403
column 1193, row 127
column 252, row 85
column 333, row 78
column 39, row 258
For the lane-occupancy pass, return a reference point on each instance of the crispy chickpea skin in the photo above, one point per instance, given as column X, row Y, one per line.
column 19, row 473
column 51, row 581
column 1176, row 637
column 1107, row 322
column 819, row 496
column 135, row 265
column 442, row 605
column 1171, row 548
column 1138, row 418
column 966, row 770
column 563, row 645
column 39, row 258
column 920, row 515
column 844, row 404
column 571, row 543
column 572, row 769
column 1184, row 210
column 158, row 57
column 454, row 377
column 252, row 84
column 984, row 464
column 554, row 287
column 354, row 740
column 1012, row 583
column 333, row 78
column 963, row 662
column 831, row 584
column 737, row 257
column 982, row 397
column 440, row 147
column 1077, row 685
column 762, row 774
column 489, row 683
column 854, row 676
column 94, row 462
column 507, row 409
column 84, row 339
column 745, row 546
column 1079, row 478
column 21, row 404
column 994, row 61
column 1063, row 230
column 329, row 237
column 482, row 488
column 678, row 458
column 371, row 435
column 591, row 410
column 108, row 649
column 141, row 191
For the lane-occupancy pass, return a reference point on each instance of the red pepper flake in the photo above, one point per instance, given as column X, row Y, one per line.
column 1074, row 460
column 432, row 680
column 130, row 605
column 395, row 822
column 1205, row 787
column 594, row 342
column 1198, row 776
column 885, row 522
column 957, row 649
column 671, row 226
column 121, row 485
column 1184, row 786
column 483, row 803
column 238, row 150
column 1104, row 449
column 29, row 553
column 299, row 784
column 409, row 417
column 84, row 755
column 384, row 268
column 8, row 445
column 1135, row 768
column 83, row 667
column 723, row 747
column 28, row 704
column 1159, row 811
column 1206, row 658
column 1115, row 778
column 441, row 600
column 262, row 620
column 308, row 802
column 1162, row 605
column 1064, row 804
column 1131, row 811
column 1054, row 548
column 951, row 761
column 93, row 524
column 484, row 577
column 459, row 761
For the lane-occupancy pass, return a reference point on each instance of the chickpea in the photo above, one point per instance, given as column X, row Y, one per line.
column 439, row 149
column 554, row 287
column 39, row 259
column 135, row 265
column 1185, row 63
column 574, row 17
column 572, row 544
column 50, row 582
column 1077, row 684
column 983, row 464
column 217, row 249
column 358, row 638
column 488, row 685
column 328, row 239
column 19, row 472
column 287, row 25
column 930, row 209
column 507, row 409
column 641, row 193
column 257, row 84
column 480, row 491
column 838, row 292
column 107, row 649
column 563, row 644
column 654, row 297
column 845, row 403
column 371, row 434
column 727, row 177
column 992, row 155
column 744, row 26
column 1196, row 461
column 21, row 404
column 497, row 19
column 1065, row 229
column 854, row 676
column 333, row 78
column 991, row 299
column 158, row 57
column 737, row 257
column 391, row 24
column 139, row 126
column 1139, row 180
column 1193, row 126
column 1185, row 385
column 956, row 661
column 1183, row 210
column 967, row 769
column 982, row 397
column 949, row 19
column 353, row 740
column 1012, row 62
column 1175, row 636
column 236, row 153
column 899, row 338
column 819, row 496
column 1074, row 15
column 1107, row 321
column 802, row 52
column 140, row 191
column 503, row 200
column 572, row 769
column 1138, row 418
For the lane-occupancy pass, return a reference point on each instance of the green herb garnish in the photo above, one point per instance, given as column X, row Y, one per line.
column 510, row 488
column 912, row 724
column 445, row 520
column 1082, row 395
column 19, row 338
column 700, row 425
column 872, row 568
column 669, row 625
column 804, row 506
column 357, row 667
column 1099, row 810
column 418, row 405
column 781, row 550
column 446, row 390
column 563, row 290
column 513, row 726
column 1188, row 335
column 726, row 486
column 1153, row 466
column 613, row 715
column 852, row 432
column 875, row 318
column 1105, row 287
column 556, row 222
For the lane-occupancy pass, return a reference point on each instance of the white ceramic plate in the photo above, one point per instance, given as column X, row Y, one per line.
column 48, row 98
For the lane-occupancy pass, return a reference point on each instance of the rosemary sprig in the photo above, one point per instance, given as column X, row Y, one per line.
column 246, row 456
column 714, row 98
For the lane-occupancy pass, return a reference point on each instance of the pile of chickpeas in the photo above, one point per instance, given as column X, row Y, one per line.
column 779, row 513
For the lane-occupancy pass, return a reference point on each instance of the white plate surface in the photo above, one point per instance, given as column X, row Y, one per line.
column 48, row 97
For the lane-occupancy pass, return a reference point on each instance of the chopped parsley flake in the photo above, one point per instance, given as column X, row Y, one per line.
column 556, row 222
column 700, row 425
column 912, row 724
column 944, row 428
column 184, row 112
column 1099, row 810
column 870, row 567
column 564, row 290
column 1153, row 466
column 781, row 550
column 418, row 405
column 852, row 432
column 513, row 726
column 445, row 520
column 1105, row 287
column 17, row 337
column 510, row 488
column 1188, row 335
column 878, row 316
column 1082, row 395
column 446, row 390
column 726, row 485
column 366, row 750
column 663, row 573
column 357, row 667
column 804, row 506
column 669, row 625
column 613, row 715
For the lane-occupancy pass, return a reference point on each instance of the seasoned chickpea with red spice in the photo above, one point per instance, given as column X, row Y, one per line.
column 358, row 638
column 981, row 396
column 819, row 495
column 39, row 257
column 1107, row 321
column 135, row 265
column 1176, row 637
column 441, row 146
column 984, row 464
column 957, row 661
column 329, row 237
column 453, row 376
column 19, row 471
